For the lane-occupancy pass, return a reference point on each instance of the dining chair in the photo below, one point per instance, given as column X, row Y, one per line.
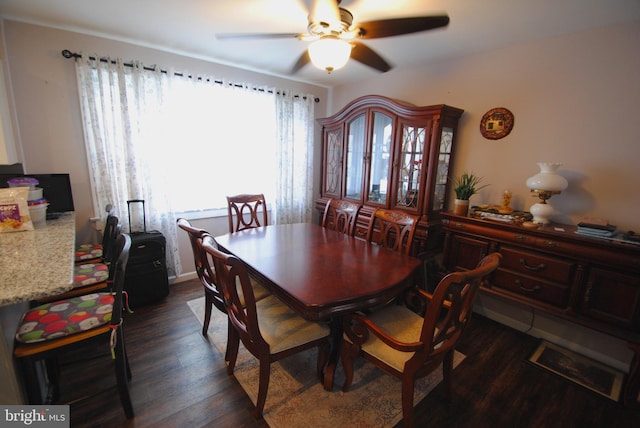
column 340, row 215
column 207, row 275
column 92, row 277
column 94, row 253
column 47, row 331
column 408, row 345
column 246, row 212
column 393, row 229
column 246, row 209
column 268, row 328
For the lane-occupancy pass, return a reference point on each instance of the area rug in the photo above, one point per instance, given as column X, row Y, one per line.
column 296, row 398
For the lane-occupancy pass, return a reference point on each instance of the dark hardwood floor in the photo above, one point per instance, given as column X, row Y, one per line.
column 179, row 380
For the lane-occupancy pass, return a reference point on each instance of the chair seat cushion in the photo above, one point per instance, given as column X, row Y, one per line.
column 259, row 292
column 400, row 323
column 64, row 317
column 90, row 273
column 282, row 328
column 88, row 252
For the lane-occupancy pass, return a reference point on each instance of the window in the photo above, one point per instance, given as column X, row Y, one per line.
column 184, row 144
column 213, row 142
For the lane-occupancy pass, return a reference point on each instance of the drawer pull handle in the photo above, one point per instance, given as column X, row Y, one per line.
column 551, row 244
column 535, row 289
column 460, row 225
column 520, row 237
column 538, row 268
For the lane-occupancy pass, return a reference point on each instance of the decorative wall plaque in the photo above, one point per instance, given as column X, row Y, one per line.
column 496, row 123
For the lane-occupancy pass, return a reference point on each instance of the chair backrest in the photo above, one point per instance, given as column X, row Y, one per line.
column 121, row 248
column 340, row 215
column 238, row 296
column 112, row 253
column 195, row 236
column 205, row 270
column 450, row 309
column 112, row 229
column 249, row 211
column 392, row 229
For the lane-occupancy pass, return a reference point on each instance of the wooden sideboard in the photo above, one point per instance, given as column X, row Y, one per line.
column 589, row 281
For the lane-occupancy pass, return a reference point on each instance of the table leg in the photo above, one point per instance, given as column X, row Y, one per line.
column 334, row 356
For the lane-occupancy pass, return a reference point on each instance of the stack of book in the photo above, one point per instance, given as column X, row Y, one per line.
column 598, row 229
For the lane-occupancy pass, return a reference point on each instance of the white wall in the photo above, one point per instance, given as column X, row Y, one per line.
column 575, row 100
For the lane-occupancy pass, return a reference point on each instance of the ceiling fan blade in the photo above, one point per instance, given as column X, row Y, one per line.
column 302, row 61
column 253, row 36
column 364, row 54
column 399, row 26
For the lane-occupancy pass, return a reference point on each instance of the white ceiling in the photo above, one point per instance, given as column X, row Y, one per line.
column 189, row 27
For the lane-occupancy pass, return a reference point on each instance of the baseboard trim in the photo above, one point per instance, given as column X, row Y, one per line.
column 183, row 277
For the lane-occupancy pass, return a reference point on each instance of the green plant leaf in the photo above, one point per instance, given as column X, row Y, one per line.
column 466, row 185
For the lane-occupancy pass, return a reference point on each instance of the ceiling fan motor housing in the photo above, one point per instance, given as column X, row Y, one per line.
column 321, row 28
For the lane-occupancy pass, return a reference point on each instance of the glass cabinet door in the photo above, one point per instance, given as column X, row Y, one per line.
column 410, row 166
column 355, row 157
column 380, row 158
column 444, row 161
column 333, row 162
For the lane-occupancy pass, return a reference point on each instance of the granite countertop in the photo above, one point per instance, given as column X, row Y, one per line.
column 37, row 263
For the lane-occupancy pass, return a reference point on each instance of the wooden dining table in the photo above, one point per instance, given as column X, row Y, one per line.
column 320, row 273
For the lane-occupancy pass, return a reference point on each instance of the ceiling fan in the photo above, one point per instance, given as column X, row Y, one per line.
column 335, row 39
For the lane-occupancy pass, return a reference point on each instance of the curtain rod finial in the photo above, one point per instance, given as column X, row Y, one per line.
column 68, row 54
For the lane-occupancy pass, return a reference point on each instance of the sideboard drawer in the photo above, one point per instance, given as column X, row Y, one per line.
column 550, row 293
column 537, row 265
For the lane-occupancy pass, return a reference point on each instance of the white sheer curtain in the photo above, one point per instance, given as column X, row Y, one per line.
column 116, row 102
column 155, row 136
column 294, row 185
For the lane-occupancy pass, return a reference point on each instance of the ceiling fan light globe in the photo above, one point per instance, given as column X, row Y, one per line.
column 329, row 53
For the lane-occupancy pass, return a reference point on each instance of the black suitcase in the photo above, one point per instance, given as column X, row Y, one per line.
column 146, row 279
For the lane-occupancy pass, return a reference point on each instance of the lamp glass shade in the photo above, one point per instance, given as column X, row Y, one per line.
column 329, row 53
column 547, row 179
column 545, row 183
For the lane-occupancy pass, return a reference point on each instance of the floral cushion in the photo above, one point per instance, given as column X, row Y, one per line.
column 90, row 273
column 88, row 252
column 64, row 317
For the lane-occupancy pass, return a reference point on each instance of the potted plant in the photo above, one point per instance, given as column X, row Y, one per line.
column 465, row 186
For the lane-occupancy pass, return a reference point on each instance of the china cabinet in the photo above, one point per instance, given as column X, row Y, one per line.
column 593, row 282
column 383, row 153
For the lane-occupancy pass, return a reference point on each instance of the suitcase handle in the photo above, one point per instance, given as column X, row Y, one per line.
column 144, row 213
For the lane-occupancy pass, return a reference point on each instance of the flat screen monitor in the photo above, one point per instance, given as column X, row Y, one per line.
column 56, row 189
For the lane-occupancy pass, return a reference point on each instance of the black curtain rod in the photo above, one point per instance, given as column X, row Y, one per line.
column 68, row 54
